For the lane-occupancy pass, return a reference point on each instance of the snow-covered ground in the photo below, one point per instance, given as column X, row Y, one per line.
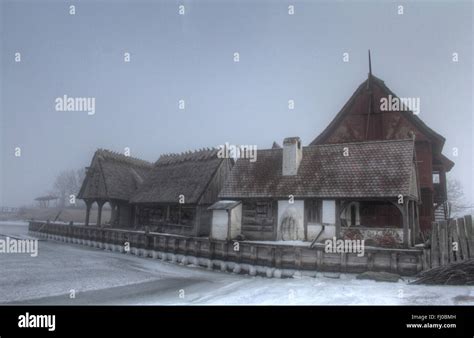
column 104, row 277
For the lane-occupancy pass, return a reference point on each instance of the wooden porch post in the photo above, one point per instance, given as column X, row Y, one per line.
column 413, row 224
column 136, row 215
column 197, row 221
column 113, row 212
column 100, row 204
column 88, row 211
column 405, row 220
column 338, row 219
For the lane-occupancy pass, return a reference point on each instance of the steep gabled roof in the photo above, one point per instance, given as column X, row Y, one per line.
column 375, row 169
column 186, row 174
column 113, row 176
column 362, row 90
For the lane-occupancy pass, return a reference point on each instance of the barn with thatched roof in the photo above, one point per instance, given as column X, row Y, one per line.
column 175, row 196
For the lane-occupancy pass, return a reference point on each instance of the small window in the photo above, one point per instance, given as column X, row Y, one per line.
column 187, row 216
column 314, row 211
column 262, row 209
column 435, row 177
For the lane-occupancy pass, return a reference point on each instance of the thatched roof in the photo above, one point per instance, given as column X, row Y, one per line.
column 187, row 174
column 113, row 176
column 376, row 169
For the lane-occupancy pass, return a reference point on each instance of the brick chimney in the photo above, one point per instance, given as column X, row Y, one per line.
column 292, row 155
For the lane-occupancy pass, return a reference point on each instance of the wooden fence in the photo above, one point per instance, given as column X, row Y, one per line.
column 451, row 241
column 222, row 254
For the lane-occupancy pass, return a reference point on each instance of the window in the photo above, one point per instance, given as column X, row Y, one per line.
column 174, row 214
column 435, row 177
column 313, row 208
column 187, row 216
column 262, row 209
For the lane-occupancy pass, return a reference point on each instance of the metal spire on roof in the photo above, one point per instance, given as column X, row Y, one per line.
column 369, row 89
column 370, row 65
column 370, row 73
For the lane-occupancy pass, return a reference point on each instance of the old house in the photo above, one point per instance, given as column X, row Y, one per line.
column 177, row 193
column 373, row 173
column 309, row 193
column 364, row 118
column 112, row 178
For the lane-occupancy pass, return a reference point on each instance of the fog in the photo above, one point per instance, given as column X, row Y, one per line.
column 190, row 57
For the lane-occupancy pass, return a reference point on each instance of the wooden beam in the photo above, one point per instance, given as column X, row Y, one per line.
column 406, row 242
column 463, row 238
column 443, row 243
column 88, row 211
column 434, row 245
column 412, row 224
column 449, row 232
column 470, row 234
column 338, row 218
column 100, row 204
column 417, row 223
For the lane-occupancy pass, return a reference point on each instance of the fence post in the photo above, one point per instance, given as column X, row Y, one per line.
column 462, row 238
column 434, row 245
column 443, row 243
column 450, row 234
column 470, row 234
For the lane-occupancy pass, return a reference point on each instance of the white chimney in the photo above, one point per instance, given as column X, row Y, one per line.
column 292, row 155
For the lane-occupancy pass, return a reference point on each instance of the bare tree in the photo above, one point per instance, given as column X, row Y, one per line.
column 80, row 175
column 459, row 205
column 66, row 183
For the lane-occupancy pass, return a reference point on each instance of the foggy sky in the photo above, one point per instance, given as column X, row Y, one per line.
column 190, row 57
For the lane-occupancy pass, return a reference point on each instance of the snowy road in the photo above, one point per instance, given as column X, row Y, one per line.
column 102, row 277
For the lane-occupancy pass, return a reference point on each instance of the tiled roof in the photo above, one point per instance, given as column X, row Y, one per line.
column 373, row 169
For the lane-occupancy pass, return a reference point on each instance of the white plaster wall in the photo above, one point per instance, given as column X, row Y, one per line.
column 329, row 212
column 219, row 224
column 236, row 221
column 296, row 210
